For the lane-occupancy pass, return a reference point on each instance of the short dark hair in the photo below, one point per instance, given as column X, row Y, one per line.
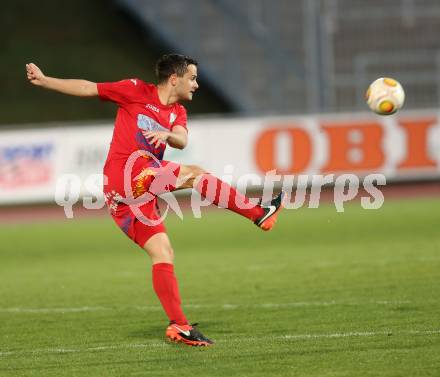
column 172, row 63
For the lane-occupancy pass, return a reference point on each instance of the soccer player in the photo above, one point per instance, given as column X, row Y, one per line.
column 148, row 118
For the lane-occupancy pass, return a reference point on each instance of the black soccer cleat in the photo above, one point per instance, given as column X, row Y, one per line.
column 271, row 210
column 187, row 334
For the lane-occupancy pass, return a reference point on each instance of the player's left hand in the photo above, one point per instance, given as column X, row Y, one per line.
column 156, row 137
column 34, row 74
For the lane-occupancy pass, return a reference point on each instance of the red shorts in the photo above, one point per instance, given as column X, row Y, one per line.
column 134, row 208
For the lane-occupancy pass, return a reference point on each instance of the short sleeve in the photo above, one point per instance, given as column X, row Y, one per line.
column 181, row 118
column 124, row 91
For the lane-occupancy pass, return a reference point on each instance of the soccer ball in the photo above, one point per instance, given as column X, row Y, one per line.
column 385, row 96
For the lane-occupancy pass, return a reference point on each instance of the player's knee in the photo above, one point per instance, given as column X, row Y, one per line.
column 166, row 252
column 197, row 171
column 169, row 252
column 191, row 173
column 162, row 255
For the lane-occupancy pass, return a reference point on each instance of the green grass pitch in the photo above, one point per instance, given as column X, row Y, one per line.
column 324, row 294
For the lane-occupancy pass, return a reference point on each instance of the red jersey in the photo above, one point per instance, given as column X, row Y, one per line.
column 139, row 109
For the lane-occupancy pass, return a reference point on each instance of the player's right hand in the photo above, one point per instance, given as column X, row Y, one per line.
column 34, row 74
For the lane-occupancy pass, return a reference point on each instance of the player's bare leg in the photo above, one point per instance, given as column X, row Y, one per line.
column 219, row 192
column 158, row 247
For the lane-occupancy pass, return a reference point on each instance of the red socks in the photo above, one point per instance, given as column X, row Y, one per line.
column 165, row 286
column 220, row 193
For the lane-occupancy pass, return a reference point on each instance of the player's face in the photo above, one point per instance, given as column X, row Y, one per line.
column 187, row 85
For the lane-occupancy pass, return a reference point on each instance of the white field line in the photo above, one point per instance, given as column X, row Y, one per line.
column 199, row 306
column 62, row 350
column 155, row 344
column 54, row 310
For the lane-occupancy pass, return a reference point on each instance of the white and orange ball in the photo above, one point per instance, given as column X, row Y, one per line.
column 385, row 96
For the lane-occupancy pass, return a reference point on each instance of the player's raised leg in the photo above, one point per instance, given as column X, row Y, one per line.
column 158, row 247
column 222, row 194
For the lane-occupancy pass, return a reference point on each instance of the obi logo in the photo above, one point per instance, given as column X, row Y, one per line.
column 357, row 146
column 26, row 165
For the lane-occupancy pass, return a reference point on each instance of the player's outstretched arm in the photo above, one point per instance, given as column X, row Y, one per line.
column 73, row 87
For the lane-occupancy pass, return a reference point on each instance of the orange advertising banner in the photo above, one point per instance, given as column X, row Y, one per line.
column 406, row 146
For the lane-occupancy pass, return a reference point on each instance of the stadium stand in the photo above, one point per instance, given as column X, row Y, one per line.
column 303, row 56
